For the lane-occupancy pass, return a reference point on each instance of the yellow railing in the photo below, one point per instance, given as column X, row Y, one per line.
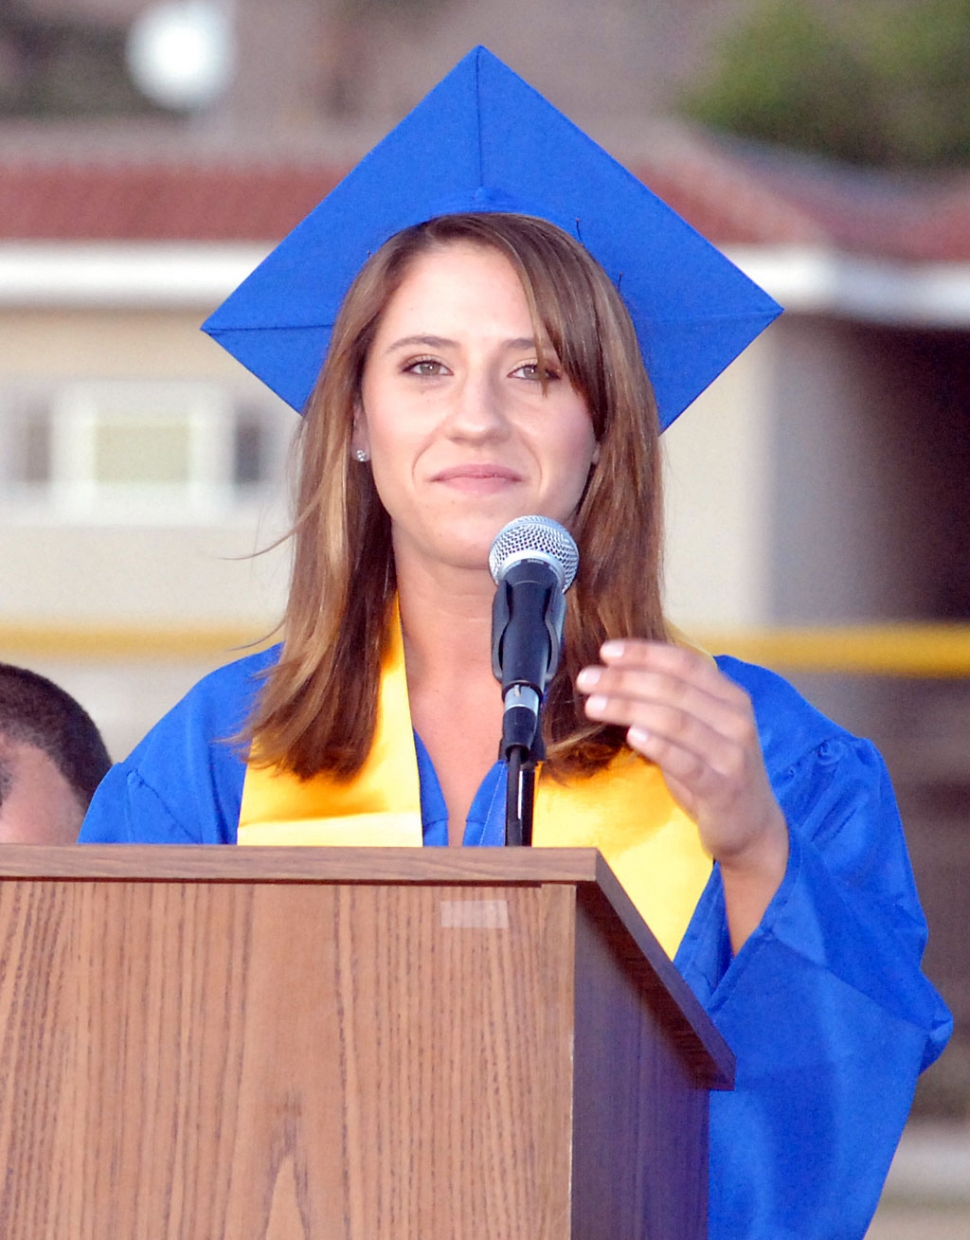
column 922, row 650
column 123, row 642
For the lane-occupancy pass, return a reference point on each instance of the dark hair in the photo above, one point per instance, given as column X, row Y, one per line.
column 318, row 708
column 35, row 711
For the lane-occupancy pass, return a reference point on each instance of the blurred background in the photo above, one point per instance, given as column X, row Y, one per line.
column 818, row 493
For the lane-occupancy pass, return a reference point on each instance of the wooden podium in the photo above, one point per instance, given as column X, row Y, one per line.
column 370, row 1044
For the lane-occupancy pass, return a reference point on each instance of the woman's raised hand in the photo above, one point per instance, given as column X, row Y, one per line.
column 698, row 726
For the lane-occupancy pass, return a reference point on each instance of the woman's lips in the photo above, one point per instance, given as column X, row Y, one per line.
column 478, row 477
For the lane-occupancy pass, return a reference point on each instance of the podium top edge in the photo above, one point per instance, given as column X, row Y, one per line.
column 221, row 863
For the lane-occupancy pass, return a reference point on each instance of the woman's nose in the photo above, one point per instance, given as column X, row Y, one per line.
column 479, row 410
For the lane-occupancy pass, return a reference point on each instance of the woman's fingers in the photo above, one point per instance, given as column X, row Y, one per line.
column 675, row 670
column 677, row 694
column 698, row 726
column 662, row 730
column 682, row 713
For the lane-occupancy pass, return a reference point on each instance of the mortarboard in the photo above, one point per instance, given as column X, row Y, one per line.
column 484, row 140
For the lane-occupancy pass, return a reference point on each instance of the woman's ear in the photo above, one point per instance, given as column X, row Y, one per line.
column 595, row 458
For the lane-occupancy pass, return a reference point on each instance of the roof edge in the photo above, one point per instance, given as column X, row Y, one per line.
column 190, row 275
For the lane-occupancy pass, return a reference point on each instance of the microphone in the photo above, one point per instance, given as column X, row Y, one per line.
column 533, row 562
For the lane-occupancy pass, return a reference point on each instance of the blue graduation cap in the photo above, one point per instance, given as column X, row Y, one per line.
column 483, row 140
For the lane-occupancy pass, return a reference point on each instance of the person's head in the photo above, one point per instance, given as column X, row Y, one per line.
column 574, row 310
column 344, row 571
column 52, row 758
column 466, row 415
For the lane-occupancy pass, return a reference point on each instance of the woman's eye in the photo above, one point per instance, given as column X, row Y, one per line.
column 530, row 370
column 425, row 366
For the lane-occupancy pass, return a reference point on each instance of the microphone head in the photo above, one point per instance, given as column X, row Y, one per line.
column 534, row 538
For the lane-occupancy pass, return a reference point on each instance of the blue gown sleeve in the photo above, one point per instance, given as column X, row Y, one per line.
column 183, row 783
column 825, row 1006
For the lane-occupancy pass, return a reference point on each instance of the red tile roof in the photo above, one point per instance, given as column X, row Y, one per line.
column 157, row 201
column 795, row 198
column 740, row 197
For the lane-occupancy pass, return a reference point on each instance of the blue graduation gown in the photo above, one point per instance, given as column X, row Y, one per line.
column 825, row 1005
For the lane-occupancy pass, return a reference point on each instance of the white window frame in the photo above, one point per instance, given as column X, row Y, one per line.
column 77, row 494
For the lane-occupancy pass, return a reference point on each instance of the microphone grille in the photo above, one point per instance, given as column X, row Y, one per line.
column 540, row 534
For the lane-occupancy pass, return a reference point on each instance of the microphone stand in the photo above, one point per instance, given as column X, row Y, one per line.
column 520, row 792
column 519, row 799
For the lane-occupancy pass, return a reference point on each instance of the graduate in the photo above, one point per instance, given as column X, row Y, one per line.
column 489, row 318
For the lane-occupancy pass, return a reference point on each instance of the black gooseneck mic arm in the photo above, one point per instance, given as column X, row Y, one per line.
column 519, row 800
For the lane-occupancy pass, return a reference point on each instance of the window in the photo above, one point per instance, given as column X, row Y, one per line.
column 25, row 441
column 141, row 451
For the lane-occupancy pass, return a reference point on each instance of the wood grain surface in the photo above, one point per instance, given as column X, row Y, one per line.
column 640, row 1132
column 228, row 1060
column 217, row 863
column 306, row 1044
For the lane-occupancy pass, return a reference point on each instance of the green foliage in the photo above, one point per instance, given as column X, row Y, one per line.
column 873, row 82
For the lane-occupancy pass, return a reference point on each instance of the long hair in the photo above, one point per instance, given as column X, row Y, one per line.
column 318, row 708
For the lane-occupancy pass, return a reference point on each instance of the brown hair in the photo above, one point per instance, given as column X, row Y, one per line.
column 318, row 708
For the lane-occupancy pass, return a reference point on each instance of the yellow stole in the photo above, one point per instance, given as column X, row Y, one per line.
column 625, row 811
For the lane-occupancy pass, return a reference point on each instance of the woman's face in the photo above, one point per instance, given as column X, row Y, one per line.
column 461, row 436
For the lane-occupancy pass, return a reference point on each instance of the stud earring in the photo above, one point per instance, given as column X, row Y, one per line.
column 362, row 455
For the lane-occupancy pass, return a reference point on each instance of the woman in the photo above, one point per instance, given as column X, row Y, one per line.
column 483, row 366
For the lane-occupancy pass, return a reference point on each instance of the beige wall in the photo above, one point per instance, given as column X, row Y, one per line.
column 55, row 571
column 127, row 343
column 718, row 498
column 140, row 576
